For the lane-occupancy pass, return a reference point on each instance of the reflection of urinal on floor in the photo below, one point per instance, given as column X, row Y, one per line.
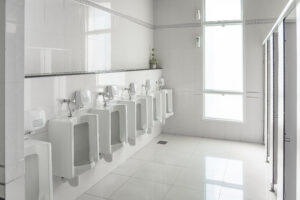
column 74, row 144
column 112, row 128
column 167, row 104
column 38, row 170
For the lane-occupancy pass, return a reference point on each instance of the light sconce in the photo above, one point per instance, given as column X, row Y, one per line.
column 198, row 14
column 198, row 41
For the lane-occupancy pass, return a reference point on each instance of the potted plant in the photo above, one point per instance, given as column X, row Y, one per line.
column 153, row 60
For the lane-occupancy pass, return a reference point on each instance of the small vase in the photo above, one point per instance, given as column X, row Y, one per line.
column 153, row 66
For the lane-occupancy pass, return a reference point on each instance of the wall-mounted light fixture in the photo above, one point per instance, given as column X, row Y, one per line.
column 198, row 14
column 198, row 41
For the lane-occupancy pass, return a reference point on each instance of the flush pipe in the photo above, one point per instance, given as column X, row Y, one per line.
column 69, row 102
column 129, row 93
column 104, row 96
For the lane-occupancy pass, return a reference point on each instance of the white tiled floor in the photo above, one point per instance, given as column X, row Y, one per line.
column 187, row 168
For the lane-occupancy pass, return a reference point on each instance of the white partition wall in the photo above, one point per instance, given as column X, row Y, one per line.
column 290, row 111
column 286, row 94
column 280, row 124
column 274, row 144
column 2, row 114
column 298, row 102
column 270, row 97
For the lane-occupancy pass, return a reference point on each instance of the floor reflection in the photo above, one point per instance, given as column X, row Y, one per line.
column 224, row 179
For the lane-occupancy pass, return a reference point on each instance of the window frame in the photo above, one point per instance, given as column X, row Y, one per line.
column 223, row 92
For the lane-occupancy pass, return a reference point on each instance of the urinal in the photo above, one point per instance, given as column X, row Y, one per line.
column 157, row 107
column 166, row 100
column 137, row 112
column 112, row 128
column 137, row 117
column 75, row 144
column 167, row 104
column 150, row 107
column 38, row 170
column 150, row 117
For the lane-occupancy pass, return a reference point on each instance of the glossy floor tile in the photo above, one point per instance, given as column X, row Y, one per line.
column 108, row 185
column 188, row 168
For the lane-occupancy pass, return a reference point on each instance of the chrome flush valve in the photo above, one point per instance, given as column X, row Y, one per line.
column 69, row 102
column 160, row 83
column 131, row 90
column 105, row 97
column 147, row 86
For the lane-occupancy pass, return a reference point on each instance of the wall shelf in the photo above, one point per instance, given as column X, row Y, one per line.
column 85, row 73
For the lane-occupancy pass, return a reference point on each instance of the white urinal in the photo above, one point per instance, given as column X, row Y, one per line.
column 75, row 145
column 147, row 93
column 112, row 128
column 157, row 107
column 167, row 104
column 150, row 111
column 137, row 117
column 38, row 170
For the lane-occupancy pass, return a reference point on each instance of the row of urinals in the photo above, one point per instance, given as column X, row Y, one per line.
column 93, row 131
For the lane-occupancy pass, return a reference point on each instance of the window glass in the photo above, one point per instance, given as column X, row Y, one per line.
column 224, row 58
column 221, row 10
column 227, row 107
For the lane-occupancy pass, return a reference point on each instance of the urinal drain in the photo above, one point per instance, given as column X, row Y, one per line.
column 162, row 142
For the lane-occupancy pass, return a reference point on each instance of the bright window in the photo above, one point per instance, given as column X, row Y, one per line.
column 219, row 106
column 221, row 10
column 223, row 60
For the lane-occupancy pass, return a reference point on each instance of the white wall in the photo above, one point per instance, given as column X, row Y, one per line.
column 175, row 34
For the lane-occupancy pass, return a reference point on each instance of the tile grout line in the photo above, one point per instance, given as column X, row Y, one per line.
column 171, row 186
column 129, row 177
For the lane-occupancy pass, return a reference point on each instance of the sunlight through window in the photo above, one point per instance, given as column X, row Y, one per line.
column 223, row 60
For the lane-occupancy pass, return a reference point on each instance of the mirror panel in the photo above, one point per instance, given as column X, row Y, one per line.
column 64, row 36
